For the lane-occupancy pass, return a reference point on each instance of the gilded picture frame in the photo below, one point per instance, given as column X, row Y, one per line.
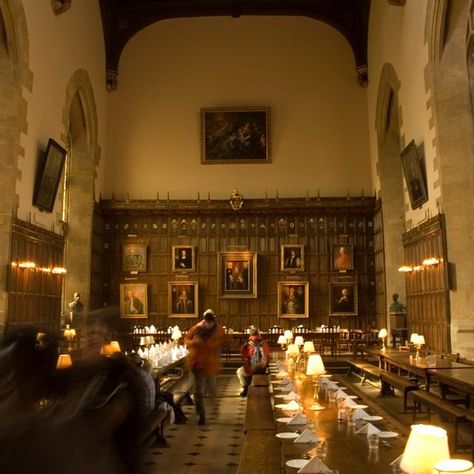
column 411, row 157
column 237, row 274
column 293, row 299
column 235, row 135
column 343, row 299
column 292, row 258
column 134, row 257
column 133, row 300
column 183, row 258
column 342, row 257
column 183, row 299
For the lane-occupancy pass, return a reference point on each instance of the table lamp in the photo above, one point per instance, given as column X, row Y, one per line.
column 282, row 341
column 426, row 446
column 308, row 347
column 69, row 335
column 64, row 361
column 292, row 354
column 453, row 465
column 299, row 341
column 315, row 368
column 176, row 334
column 115, row 346
column 418, row 341
column 288, row 335
column 383, row 333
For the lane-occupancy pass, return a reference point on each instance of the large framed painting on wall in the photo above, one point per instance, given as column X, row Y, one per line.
column 342, row 257
column 414, row 175
column 342, row 299
column 183, row 258
column 237, row 274
column 293, row 299
column 235, row 135
column 134, row 257
column 183, row 299
column 133, row 300
column 292, row 258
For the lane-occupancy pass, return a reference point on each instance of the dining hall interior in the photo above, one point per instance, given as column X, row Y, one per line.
column 284, row 164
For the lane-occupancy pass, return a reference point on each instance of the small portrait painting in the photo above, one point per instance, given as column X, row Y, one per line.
column 342, row 257
column 293, row 298
column 342, row 299
column 237, row 274
column 183, row 299
column 134, row 258
column 292, row 258
column 133, row 300
column 183, row 258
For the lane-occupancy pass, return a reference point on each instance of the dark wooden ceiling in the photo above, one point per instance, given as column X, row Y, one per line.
column 124, row 18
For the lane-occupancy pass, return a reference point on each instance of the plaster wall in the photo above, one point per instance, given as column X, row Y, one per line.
column 301, row 68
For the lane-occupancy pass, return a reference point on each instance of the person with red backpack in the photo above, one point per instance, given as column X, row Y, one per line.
column 256, row 353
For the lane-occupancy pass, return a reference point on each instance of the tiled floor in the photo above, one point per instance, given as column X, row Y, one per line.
column 210, row 449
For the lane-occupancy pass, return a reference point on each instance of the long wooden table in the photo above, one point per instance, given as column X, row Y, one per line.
column 461, row 380
column 347, row 451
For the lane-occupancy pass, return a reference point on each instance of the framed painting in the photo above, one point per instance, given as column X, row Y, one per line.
column 237, row 274
column 292, row 258
column 134, row 257
column 293, row 299
column 342, row 257
column 183, row 299
column 414, row 175
column 235, row 135
column 183, row 258
column 133, row 300
column 342, row 299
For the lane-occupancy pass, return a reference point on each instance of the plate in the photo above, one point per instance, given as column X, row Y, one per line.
column 284, row 419
column 297, row 463
column 353, row 397
column 283, row 406
column 279, row 396
column 357, row 407
column 371, row 418
column 287, row 435
column 388, row 434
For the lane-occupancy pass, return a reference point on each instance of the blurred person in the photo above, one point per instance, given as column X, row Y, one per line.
column 256, row 353
column 204, row 341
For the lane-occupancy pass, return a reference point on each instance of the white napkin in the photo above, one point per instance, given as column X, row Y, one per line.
column 307, row 436
column 349, row 402
column 323, row 380
column 359, row 414
column 368, row 429
column 291, row 396
column 298, row 419
column 292, row 406
column 341, row 394
column 333, row 385
column 287, row 388
column 314, row 465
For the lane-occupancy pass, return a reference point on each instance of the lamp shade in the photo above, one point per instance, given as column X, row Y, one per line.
column 308, row 346
column 452, row 465
column 281, row 339
column 115, row 346
column 299, row 341
column 413, row 337
column 292, row 350
column 176, row 333
column 419, row 339
column 315, row 365
column 383, row 333
column 426, row 446
column 288, row 334
column 64, row 361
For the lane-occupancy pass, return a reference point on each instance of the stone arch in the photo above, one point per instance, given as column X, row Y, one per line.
column 80, row 124
column 388, row 122
column 15, row 76
column 448, row 76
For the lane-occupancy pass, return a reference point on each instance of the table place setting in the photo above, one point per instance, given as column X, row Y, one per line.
column 298, row 419
column 307, row 436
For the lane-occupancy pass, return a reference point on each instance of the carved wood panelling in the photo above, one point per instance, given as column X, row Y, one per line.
column 34, row 296
column 427, row 288
column 261, row 226
column 380, row 288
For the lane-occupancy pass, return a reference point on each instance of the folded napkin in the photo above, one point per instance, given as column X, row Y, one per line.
column 333, row 385
column 282, row 373
column 298, row 419
column 307, row 436
column 287, row 388
column 323, row 380
column 285, row 382
column 314, row 465
column 291, row 396
column 349, row 402
column 368, row 429
column 341, row 394
column 359, row 414
column 292, row 406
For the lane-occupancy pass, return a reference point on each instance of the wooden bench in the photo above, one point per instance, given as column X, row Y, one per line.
column 390, row 381
column 366, row 368
column 442, row 407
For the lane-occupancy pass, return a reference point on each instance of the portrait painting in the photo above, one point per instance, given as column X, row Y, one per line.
column 292, row 258
column 133, row 300
column 183, row 299
column 414, row 175
column 293, row 299
column 342, row 257
column 235, row 135
column 183, row 258
column 237, row 274
column 134, row 257
column 342, row 298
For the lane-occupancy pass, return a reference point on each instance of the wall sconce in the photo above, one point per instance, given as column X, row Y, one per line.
column 383, row 333
column 427, row 262
column 430, row 261
column 426, row 446
column 405, row 269
column 452, row 465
